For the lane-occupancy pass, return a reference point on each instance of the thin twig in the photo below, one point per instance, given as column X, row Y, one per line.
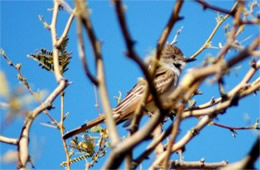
column 207, row 42
column 82, row 53
column 62, row 130
column 234, row 31
column 235, row 128
column 95, row 44
column 134, row 56
column 235, row 90
column 150, row 148
column 23, row 144
column 207, row 5
column 174, row 132
column 27, row 84
column 184, row 140
column 175, row 39
column 66, row 30
column 221, row 107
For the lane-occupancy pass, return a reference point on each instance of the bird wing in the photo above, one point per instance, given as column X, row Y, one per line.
column 164, row 79
column 128, row 105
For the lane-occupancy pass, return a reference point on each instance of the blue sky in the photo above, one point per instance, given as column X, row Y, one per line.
column 21, row 33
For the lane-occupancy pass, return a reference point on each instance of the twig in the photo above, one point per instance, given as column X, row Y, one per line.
column 171, row 22
column 207, row 5
column 216, row 68
column 232, row 12
column 23, row 153
column 152, row 145
column 82, row 53
column 134, row 56
column 55, row 50
column 175, row 39
column 235, row 90
column 255, row 126
column 7, row 140
column 185, row 139
column 67, row 28
column 159, row 148
column 234, row 31
column 23, row 80
column 207, row 42
column 61, row 124
column 66, row 6
column 197, row 165
column 174, row 132
column 80, row 4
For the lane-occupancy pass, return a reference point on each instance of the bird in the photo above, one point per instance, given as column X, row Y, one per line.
column 167, row 74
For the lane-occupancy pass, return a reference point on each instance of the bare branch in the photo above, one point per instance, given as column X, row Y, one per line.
column 67, row 28
column 220, row 21
column 207, row 5
column 56, row 65
column 7, row 140
column 236, row 89
column 221, row 107
column 62, row 130
column 152, row 145
column 197, row 165
column 80, row 5
column 255, row 126
column 24, row 81
column 82, row 53
column 23, row 143
column 134, row 56
column 175, row 39
column 185, row 139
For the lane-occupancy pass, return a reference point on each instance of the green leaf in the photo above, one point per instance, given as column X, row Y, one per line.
column 45, row 57
column 96, row 129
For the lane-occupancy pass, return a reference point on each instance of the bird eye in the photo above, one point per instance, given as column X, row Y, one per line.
column 173, row 56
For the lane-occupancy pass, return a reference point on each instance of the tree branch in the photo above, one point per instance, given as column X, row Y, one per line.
column 220, row 21
column 7, row 140
column 197, row 165
column 81, row 5
column 23, row 143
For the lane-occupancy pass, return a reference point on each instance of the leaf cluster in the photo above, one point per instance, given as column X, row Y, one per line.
column 45, row 57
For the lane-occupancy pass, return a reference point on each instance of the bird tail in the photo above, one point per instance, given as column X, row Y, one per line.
column 84, row 127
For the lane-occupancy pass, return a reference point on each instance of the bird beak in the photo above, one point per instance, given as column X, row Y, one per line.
column 187, row 60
